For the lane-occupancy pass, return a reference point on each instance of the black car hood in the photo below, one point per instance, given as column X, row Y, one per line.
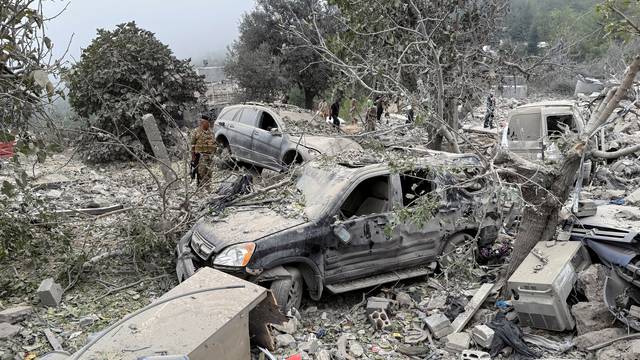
column 243, row 226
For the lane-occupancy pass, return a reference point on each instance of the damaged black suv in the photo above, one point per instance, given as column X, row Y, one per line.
column 343, row 227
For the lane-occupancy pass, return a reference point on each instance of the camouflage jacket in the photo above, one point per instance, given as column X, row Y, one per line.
column 202, row 142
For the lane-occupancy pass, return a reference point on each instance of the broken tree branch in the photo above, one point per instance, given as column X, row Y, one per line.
column 616, row 154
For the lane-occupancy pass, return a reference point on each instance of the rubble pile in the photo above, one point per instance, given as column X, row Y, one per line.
column 460, row 311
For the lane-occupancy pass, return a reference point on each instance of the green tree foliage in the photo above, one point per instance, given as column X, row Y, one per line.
column 126, row 73
column 267, row 61
column 25, row 56
column 621, row 18
column 571, row 23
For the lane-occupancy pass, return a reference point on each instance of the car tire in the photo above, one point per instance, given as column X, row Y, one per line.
column 450, row 253
column 288, row 292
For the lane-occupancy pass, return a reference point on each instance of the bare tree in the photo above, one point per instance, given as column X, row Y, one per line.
column 431, row 52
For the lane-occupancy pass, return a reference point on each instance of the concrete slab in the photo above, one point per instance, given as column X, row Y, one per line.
column 197, row 325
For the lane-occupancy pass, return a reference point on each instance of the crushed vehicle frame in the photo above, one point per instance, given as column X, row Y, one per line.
column 273, row 137
column 613, row 235
column 350, row 235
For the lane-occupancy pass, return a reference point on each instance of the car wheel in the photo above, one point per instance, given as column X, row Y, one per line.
column 458, row 249
column 288, row 292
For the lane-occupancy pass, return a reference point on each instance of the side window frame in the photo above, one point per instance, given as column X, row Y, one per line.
column 390, row 197
column 433, row 188
column 247, row 110
column 259, row 123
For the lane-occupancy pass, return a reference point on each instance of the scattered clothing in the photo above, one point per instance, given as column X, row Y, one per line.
column 508, row 334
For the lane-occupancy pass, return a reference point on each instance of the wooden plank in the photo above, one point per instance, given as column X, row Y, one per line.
column 472, row 307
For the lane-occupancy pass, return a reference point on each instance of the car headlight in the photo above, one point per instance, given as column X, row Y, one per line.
column 236, row 255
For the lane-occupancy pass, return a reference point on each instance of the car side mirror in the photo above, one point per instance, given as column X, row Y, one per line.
column 275, row 132
column 342, row 233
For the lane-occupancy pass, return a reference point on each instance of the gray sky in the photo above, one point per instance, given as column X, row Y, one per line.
column 192, row 28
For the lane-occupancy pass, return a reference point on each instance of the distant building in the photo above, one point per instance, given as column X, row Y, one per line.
column 220, row 90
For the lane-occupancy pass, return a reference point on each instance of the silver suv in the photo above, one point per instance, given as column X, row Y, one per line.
column 275, row 137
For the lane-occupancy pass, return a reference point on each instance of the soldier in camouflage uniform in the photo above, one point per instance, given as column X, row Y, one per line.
column 371, row 116
column 203, row 147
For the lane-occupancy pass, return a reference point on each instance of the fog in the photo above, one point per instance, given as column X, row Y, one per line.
column 192, row 28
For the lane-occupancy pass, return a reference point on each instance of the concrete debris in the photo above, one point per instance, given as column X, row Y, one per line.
column 288, row 327
column 634, row 197
column 437, row 302
column 587, row 340
column 285, row 340
column 50, row 293
column 15, row 314
column 8, row 330
column 482, row 335
column 310, row 346
column 356, row 349
column 377, row 303
column 475, row 355
column 458, row 342
column 53, row 340
column 439, row 325
column 633, row 352
column 88, row 320
column 591, row 282
column 591, row 316
column 403, row 299
column 323, row 355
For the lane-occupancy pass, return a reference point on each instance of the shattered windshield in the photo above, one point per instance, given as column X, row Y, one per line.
column 318, row 186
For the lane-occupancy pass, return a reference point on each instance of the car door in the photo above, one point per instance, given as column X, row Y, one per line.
column 525, row 133
column 267, row 141
column 242, row 130
column 363, row 245
column 420, row 229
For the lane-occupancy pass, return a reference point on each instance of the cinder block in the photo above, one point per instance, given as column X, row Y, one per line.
column 50, row 293
column 377, row 304
column 439, row 325
column 482, row 335
column 380, row 319
column 458, row 342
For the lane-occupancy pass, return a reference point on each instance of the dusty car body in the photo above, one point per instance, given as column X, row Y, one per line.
column 274, row 137
column 532, row 128
column 347, row 233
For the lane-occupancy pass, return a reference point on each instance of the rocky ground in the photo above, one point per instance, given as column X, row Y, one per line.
column 115, row 263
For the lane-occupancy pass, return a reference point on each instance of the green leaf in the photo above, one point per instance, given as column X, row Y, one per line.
column 7, row 189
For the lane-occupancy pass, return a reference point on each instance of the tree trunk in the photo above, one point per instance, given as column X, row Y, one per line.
column 540, row 218
column 309, row 95
column 541, row 225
